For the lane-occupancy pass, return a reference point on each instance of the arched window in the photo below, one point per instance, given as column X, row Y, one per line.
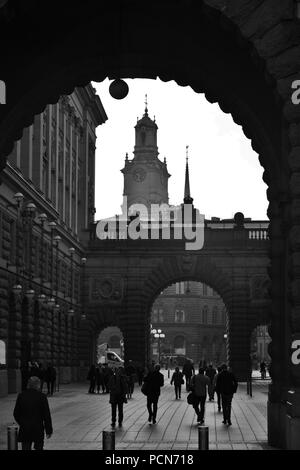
column 179, row 316
column 160, row 315
column 2, row 353
column 155, row 315
column 179, row 345
column 215, row 315
column 223, row 319
column 180, row 288
column 205, row 314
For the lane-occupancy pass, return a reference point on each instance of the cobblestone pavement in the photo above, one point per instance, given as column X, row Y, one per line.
column 79, row 419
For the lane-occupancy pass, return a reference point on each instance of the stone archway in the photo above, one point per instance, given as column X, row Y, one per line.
column 250, row 77
column 234, row 292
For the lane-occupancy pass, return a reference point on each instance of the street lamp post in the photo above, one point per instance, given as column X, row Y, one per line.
column 159, row 335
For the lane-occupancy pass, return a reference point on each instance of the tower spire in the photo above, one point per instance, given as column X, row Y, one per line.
column 187, row 193
column 146, row 105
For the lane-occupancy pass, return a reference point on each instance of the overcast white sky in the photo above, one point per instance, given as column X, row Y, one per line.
column 225, row 174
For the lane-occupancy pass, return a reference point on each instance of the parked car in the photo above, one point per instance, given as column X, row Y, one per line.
column 175, row 360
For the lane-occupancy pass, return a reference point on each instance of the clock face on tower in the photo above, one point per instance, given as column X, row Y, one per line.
column 139, row 175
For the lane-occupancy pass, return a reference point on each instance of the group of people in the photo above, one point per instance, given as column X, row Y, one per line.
column 99, row 377
column 32, row 412
column 208, row 381
column 47, row 375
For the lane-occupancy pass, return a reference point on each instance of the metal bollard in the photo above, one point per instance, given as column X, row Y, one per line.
column 108, row 440
column 12, row 437
column 168, row 373
column 203, row 438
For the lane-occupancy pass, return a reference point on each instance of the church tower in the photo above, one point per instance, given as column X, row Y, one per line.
column 145, row 176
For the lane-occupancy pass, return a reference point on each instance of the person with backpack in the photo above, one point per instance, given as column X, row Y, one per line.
column 177, row 380
column 188, row 370
column 226, row 385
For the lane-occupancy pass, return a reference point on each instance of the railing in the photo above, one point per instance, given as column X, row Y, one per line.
column 260, row 234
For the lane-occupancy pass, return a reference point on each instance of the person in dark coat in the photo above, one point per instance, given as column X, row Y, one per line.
column 188, row 370
column 140, row 374
column 177, row 380
column 33, row 416
column 263, row 370
column 50, row 378
column 107, row 373
column 100, row 379
column 92, row 378
column 118, row 389
column 211, row 372
column 25, row 374
column 215, row 388
column 154, row 381
column 199, row 385
column 41, row 374
column 227, row 386
column 130, row 373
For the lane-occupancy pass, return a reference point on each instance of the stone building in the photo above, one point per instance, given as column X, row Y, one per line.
column 193, row 318
column 46, row 207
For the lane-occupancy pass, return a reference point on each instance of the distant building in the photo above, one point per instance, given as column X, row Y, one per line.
column 193, row 318
column 259, row 345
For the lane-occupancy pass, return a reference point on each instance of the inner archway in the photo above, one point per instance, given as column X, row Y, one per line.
column 192, row 317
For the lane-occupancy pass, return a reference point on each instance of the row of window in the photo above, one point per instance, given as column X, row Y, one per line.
column 216, row 317
column 187, row 287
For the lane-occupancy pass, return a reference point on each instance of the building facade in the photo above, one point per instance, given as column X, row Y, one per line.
column 46, row 208
column 193, row 318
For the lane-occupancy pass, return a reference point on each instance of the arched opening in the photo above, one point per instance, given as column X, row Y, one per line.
column 112, row 339
column 191, row 324
column 260, row 340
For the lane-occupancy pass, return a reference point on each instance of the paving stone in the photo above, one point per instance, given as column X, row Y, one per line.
column 79, row 420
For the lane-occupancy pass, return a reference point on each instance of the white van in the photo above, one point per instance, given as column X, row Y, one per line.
column 112, row 359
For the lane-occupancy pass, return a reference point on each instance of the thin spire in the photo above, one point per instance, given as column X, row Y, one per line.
column 187, row 193
column 146, row 105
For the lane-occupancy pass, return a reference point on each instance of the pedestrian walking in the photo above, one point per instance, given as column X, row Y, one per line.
column 32, row 414
column 107, row 373
column 263, row 370
column 92, row 378
column 140, row 374
column 41, row 374
column 177, row 380
column 25, row 374
column 227, row 386
column 154, row 380
column 118, row 389
column 100, row 379
column 199, row 385
column 215, row 388
column 188, row 371
column 50, row 376
column 211, row 372
column 130, row 372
